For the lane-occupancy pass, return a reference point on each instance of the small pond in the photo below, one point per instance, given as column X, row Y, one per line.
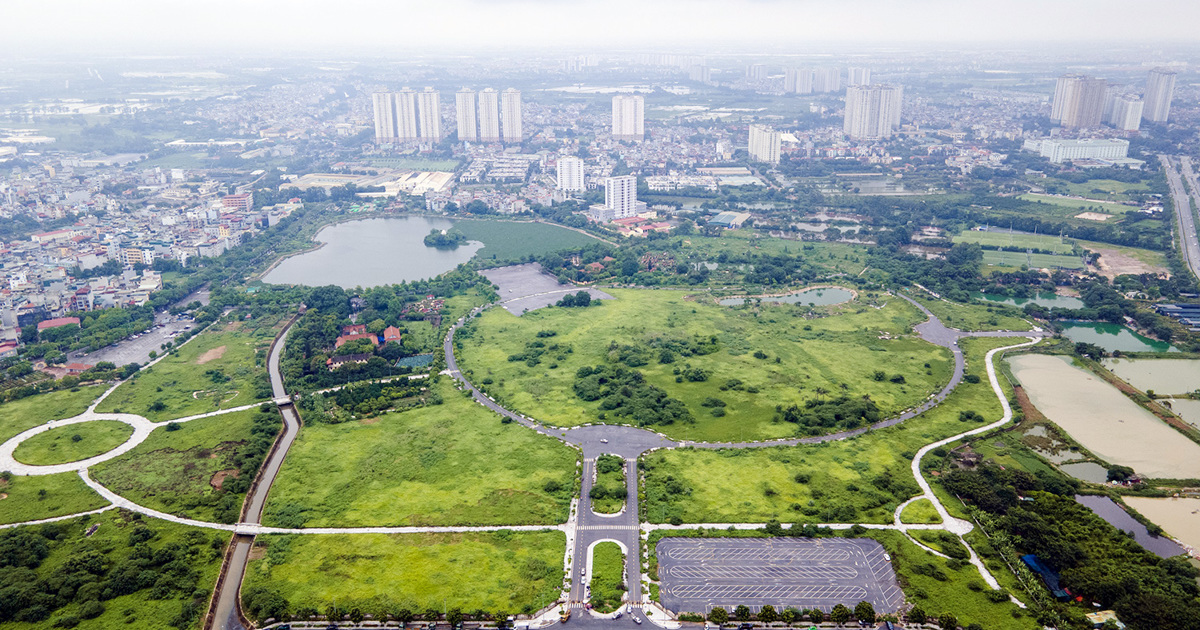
column 1086, row 471
column 1164, row 376
column 1113, row 337
column 1049, row 300
column 814, row 297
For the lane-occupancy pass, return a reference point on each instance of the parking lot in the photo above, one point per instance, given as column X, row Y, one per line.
column 699, row 574
column 528, row 287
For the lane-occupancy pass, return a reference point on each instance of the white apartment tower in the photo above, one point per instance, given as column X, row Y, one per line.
column 872, row 111
column 1126, row 112
column 385, row 117
column 429, row 107
column 620, row 196
column 464, row 108
column 510, row 115
column 798, row 80
column 1078, row 101
column 858, row 76
column 764, row 144
column 405, row 102
column 1160, row 88
column 570, row 174
column 489, row 116
column 628, row 117
column 827, row 80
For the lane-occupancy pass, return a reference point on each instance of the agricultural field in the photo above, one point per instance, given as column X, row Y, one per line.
column 504, row 571
column 450, row 464
column 509, row 240
column 222, row 367
column 762, row 358
column 607, row 577
column 45, row 496
column 183, row 471
column 860, row 479
column 18, row 415
column 72, row 443
column 1024, row 241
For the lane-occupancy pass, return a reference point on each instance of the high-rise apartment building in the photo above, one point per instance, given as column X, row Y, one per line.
column 700, row 73
column 872, row 111
column 570, row 174
column 1160, row 88
column 1078, row 101
column 1126, row 113
column 827, row 80
column 405, row 102
column 764, row 144
column 489, row 116
column 858, row 76
column 628, row 117
column 756, row 72
column 429, row 109
column 385, row 116
column 620, row 200
column 798, row 80
column 464, row 109
column 510, row 115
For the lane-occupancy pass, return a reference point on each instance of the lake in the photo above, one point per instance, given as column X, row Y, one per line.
column 814, row 297
column 1113, row 337
column 1185, row 408
column 1164, row 376
column 372, row 252
column 1108, row 510
column 1090, row 472
column 1178, row 517
column 1049, row 300
column 1101, row 419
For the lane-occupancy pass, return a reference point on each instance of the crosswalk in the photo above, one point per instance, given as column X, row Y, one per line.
column 597, row 527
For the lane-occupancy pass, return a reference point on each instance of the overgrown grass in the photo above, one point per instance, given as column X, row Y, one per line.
column 920, row 511
column 861, row 479
column 26, row 413
column 1002, row 239
column 449, row 464
column 1076, row 206
column 72, row 443
column 610, row 479
column 776, row 355
column 608, row 577
column 509, row 240
column 45, row 496
column 501, row 571
column 222, row 367
column 976, row 316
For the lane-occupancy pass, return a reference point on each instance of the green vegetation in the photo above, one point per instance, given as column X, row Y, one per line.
column 1031, row 241
column 26, row 413
column 510, row 240
column 200, row 470
column 1035, row 261
column 445, row 464
column 732, row 369
column 107, row 571
column 920, row 511
column 608, row 577
column 861, row 479
column 45, row 496
column 609, row 493
column 500, row 571
column 975, row 316
column 222, row 367
column 72, row 443
column 448, row 239
column 1080, row 205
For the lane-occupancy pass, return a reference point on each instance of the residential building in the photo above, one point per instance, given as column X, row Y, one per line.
column 385, row 116
column 1160, row 89
column 764, row 144
column 1126, row 113
column 798, row 80
column 1059, row 150
column 570, row 174
column 510, row 115
column 872, row 111
column 628, row 117
column 429, row 111
column 1078, row 101
column 242, row 202
column 464, row 109
column 405, row 104
column 756, row 72
column 620, row 200
column 489, row 116
column 827, row 80
column 858, row 76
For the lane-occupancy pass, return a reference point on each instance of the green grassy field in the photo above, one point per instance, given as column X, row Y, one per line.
column 861, row 479
column 1031, row 241
column 72, row 443
column 508, row 240
column 920, row 511
column 804, row 359
column 1116, row 190
column 220, row 368
column 449, row 464
column 26, row 413
column 1147, row 256
column 173, row 471
column 974, row 316
column 1076, row 206
column 834, row 257
column 608, row 577
column 1036, row 261
column 610, row 475
column 65, row 493
column 501, row 571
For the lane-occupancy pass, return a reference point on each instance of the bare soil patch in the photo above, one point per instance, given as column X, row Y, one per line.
column 1094, row 216
column 221, row 475
column 3, row 496
column 258, row 552
column 211, row 355
column 1113, row 263
column 1027, row 408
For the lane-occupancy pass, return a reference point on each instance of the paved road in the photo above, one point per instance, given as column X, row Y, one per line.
column 1185, row 221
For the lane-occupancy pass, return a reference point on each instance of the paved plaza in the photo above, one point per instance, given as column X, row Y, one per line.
column 528, row 287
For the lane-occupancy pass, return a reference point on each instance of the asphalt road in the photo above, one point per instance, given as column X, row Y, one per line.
column 1185, row 220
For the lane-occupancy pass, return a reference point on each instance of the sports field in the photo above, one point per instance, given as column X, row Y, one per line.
column 1080, row 205
column 1024, row 241
column 1039, row 261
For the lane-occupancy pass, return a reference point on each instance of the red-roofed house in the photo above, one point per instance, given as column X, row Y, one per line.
column 344, row 339
column 354, row 329
column 77, row 368
column 391, row 333
column 55, row 323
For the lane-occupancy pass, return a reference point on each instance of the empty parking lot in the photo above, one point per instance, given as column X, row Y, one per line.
column 699, row 574
column 528, row 287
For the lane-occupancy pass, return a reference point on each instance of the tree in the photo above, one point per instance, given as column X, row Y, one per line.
column 767, row 614
column 789, row 616
column 404, row 616
column 865, row 612
column 741, row 613
column 840, row 614
column 454, row 617
column 947, row 621
column 816, row 615
column 718, row 615
column 916, row 615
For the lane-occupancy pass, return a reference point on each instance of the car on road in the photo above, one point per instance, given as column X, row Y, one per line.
column 636, row 619
column 618, row 615
column 604, row 440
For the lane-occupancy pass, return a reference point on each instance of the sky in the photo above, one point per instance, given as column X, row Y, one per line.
column 34, row 27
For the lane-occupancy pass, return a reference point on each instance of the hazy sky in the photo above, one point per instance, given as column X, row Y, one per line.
column 161, row 26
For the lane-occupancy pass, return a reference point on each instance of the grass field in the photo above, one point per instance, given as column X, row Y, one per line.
column 448, row 464
column 173, row 471
column 220, row 368
column 502, row 571
column 610, row 475
column 26, row 413
column 1147, row 256
column 72, row 443
column 920, row 511
column 1034, row 261
column 834, row 257
column 1030, row 241
column 1115, row 190
column 804, row 359
column 1076, row 206
column 608, row 577
column 973, row 316
column 65, row 493
column 861, row 479
column 508, row 240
